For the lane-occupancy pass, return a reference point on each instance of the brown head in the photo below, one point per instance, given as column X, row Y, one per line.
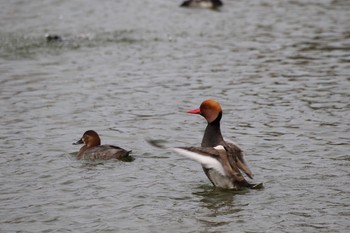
column 90, row 138
column 209, row 109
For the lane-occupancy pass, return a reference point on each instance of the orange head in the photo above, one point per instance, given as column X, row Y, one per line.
column 209, row 109
column 90, row 138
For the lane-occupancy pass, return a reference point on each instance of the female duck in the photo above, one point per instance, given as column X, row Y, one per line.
column 208, row 4
column 94, row 150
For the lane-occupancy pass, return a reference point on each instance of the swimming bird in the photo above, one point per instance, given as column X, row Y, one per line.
column 51, row 38
column 225, row 153
column 222, row 161
column 208, row 4
column 93, row 149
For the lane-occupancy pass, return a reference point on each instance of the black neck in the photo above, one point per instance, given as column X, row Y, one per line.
column 212, row 135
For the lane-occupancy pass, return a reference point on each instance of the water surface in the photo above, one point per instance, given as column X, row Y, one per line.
column 130, row 70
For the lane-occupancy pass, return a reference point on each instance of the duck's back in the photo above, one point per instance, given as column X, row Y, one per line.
column 105, row 152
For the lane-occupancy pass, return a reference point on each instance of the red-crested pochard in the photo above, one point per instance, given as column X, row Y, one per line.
column 222, row 161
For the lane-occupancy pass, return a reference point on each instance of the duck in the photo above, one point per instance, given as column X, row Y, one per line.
column 93, row 149
column 222, row 161
column 53, row 38
column 208, row 4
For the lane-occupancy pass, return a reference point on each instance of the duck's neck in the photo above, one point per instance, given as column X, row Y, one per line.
column 81, row 151
column 212, row 135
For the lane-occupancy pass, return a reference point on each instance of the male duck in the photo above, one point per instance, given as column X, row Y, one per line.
column 222, row 161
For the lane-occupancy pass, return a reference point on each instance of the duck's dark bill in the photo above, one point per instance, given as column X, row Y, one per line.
column 78, row 142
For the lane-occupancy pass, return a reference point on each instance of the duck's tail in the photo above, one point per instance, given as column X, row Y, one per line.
column 127, row 157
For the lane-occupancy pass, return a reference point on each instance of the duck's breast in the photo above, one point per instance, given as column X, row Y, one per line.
column 219, row 180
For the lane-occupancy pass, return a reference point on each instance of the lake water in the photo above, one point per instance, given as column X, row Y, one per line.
column 130, row 70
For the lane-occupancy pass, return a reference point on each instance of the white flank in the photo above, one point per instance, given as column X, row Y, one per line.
column 206, row 161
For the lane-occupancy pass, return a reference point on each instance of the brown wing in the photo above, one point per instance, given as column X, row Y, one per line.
column 105, row 152
column 235, row 157
column 231, row 170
